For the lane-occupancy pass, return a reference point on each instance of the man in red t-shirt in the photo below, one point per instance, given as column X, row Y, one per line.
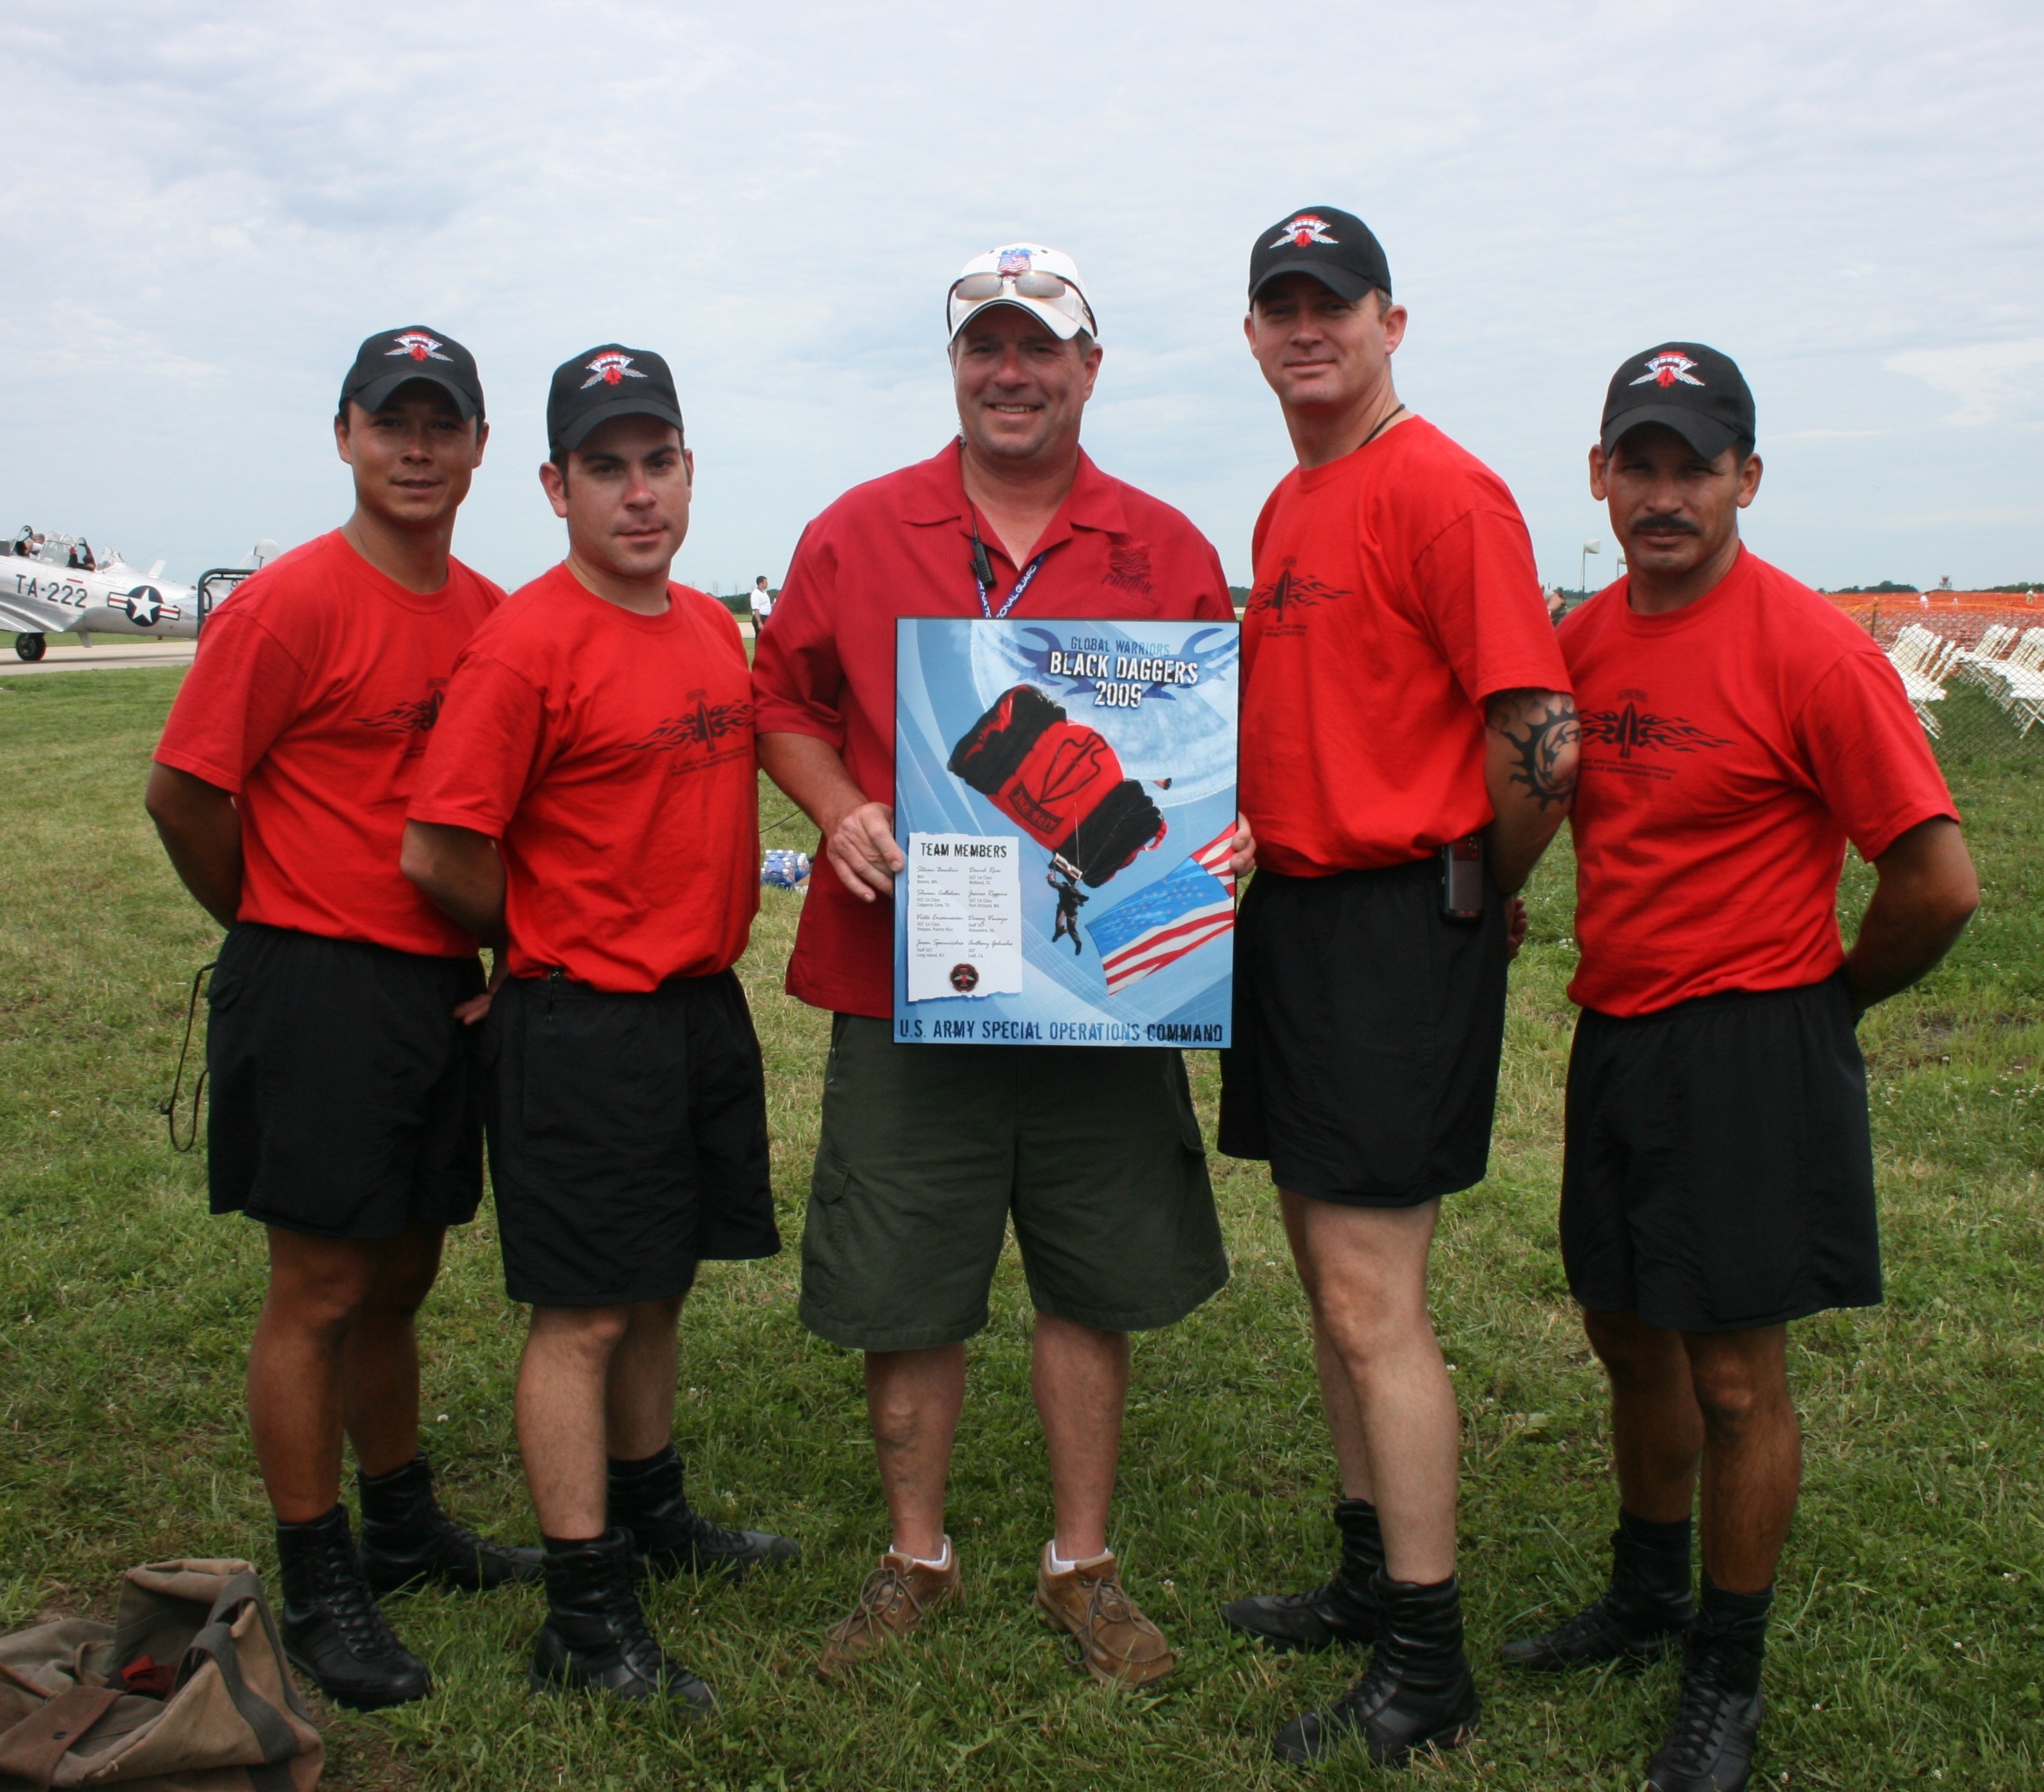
column 344, row 1112
column 1408, row 751
column 590, row 805
column 928, row 1150
column 1718, row 1181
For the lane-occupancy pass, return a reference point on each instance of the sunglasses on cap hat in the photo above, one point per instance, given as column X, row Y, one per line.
column 1029, row 286
column 1013, row 277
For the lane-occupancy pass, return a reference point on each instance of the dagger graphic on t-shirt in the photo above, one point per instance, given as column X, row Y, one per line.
column 1632, row 726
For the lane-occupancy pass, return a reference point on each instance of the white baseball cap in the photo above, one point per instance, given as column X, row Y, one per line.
column 1044, row 282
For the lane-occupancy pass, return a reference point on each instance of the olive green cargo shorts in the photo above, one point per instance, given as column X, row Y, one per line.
column 928, row 1150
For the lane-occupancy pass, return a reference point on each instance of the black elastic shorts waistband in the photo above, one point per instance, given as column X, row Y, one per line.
column 1429, row 867
column 559, row 986
column 267, row 933
column 1717, row 1000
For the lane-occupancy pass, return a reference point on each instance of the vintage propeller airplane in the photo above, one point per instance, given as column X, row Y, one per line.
column 59, row 585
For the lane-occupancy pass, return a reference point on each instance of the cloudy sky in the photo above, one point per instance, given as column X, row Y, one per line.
column 207, row 205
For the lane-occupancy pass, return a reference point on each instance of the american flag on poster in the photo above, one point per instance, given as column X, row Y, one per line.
column 1178, row 913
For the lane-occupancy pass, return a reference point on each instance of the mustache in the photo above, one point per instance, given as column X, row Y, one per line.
column 1665, row 525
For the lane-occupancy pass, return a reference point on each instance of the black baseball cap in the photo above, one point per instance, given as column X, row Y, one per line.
column 608, row 382
column 1335, row 247
column 1695, row 391
column 391, row 358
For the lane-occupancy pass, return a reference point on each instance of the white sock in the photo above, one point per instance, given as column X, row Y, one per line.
column 940, row 1563
column 1059, row 1565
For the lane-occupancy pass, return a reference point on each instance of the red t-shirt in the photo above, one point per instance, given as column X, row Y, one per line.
column 900, row 546
column 1731, row 749
column 1395, row 591
column 610, row 756
column 311, row 701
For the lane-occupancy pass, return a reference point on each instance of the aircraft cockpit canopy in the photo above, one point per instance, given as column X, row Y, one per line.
column 67, row 551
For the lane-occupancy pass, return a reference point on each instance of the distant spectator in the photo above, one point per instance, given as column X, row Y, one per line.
column 1556, row 603
column 761, row 601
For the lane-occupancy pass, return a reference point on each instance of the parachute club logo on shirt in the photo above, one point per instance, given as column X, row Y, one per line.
column 1636, row 729
column 418, row 345
column 1666, row 369
column 700, row 734
column 610, row 368
column 1010, row 263
column 1303, row 231
column 1128, row 567
column 1291, row 590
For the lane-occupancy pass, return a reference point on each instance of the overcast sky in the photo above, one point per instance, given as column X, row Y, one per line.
column 208, row 204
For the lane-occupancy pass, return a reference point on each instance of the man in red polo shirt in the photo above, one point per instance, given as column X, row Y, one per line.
column 344, row 1112
column 1408, row 751
column 927, row 1151
column 590, row 805
column 1718, row 1181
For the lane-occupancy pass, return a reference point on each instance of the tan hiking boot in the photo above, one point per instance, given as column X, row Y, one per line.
column 1117, row 1644
column 897, row 1596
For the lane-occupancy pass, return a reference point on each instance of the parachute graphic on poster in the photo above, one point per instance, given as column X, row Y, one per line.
column 1064, row 800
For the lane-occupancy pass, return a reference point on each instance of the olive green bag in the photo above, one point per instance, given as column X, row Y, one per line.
column 187, row 1691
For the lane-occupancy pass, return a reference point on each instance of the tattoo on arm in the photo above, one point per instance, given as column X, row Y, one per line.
column 1547, row 720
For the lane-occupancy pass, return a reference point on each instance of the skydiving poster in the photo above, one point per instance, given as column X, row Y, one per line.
column 1064, row 796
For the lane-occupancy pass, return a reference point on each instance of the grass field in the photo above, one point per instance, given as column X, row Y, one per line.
column 1909, row 1624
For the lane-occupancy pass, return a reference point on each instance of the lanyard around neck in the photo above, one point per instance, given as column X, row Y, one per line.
column 1013, row 598
column 982, row 567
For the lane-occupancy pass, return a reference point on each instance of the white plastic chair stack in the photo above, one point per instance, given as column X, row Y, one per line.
column 2017, row 682
column 1996, row 639
column 1920, row 656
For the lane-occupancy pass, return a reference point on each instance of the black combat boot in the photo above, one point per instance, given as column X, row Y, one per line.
column 408, row 1540
column 1709, row 1746
column 1342, row 1609
column 1645, row 1611
column 595, row 1638
column 670, row 1538
column 330, row 1624
column 1418, row 1694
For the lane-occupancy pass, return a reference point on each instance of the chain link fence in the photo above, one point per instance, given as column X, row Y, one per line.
column 1973, row 663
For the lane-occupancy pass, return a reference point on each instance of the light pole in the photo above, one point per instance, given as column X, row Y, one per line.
column 1583, row 578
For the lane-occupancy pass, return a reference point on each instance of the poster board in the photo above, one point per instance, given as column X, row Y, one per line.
column 1065, row 797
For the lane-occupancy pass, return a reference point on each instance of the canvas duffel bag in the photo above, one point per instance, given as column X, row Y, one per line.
column 187, row 1691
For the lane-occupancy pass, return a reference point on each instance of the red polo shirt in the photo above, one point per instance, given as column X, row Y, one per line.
column 900, row 546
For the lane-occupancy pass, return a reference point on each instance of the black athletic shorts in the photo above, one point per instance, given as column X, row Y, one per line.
column 1367, row 1031
column 627, row 1137
column 342, row 1096
column 1718, row 1174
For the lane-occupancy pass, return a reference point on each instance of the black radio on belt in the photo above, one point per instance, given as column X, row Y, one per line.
column 1462, row 878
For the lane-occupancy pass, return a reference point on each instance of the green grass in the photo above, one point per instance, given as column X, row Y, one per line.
column 1909, row 1622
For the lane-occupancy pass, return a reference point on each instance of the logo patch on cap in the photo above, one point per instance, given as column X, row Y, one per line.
column 1665, row 369
column 1304, row 230
column 611, row 369
column 1011, row 263
column 418, row 345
